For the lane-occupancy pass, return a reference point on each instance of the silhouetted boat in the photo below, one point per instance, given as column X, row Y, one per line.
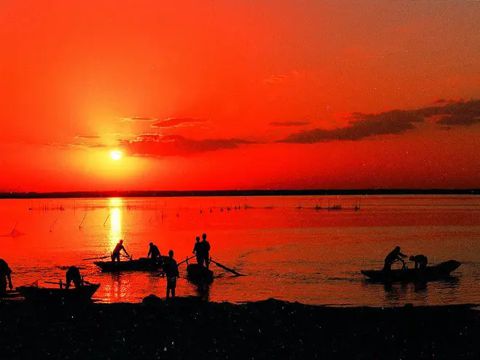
column 142, row 264
column 430, row 273
column 58, row 295
column 199, row 274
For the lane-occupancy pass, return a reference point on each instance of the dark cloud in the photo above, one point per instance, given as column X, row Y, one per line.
column 361, row 126
column 139, row 118
column 87, row 137
column 456, row 113
column 289, row 123
column 175, row 122
column 394, row 122
column 175, row 145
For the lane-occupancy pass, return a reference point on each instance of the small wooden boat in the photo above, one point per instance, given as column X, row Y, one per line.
column 430, row 273
column 58, row 295
column 142, row 264
column 199, row 274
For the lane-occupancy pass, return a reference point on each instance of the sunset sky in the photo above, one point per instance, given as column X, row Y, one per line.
column 123, row 95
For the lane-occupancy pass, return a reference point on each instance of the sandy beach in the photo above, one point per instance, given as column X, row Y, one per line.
column 271, row 329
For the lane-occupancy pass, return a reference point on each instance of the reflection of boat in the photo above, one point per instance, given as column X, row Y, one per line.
column 142, row 264
column 430, row 273
column 58, row 295
column 199, row 274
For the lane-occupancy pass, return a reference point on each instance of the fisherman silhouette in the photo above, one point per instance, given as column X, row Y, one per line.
column 73, row 275
column 394, row 255
column 5, row 274
column 153, row 252
column 205, row 250
column 421, row 261
column 171, row 271
column 116, row 252
column 197, row 250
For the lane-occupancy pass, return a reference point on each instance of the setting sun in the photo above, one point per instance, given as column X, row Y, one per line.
column 116, row 155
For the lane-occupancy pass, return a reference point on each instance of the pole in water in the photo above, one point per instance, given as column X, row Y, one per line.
column 53, row 225
column 14, row 230
column 108, row 216
column 80, row 226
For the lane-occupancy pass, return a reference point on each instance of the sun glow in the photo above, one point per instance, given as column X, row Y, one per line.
column 116, row 155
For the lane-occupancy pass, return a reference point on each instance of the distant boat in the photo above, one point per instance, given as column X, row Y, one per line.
column 430, row 273
column 199, row 274
column 141, row 264
column 58, row 295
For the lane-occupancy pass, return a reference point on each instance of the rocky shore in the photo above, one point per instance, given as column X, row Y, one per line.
column 271, row 329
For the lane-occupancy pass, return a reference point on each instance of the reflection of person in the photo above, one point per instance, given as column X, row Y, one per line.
column 171, row 271
column 5, row 274
column 394, row 255
column 153, row 252
column 421, row 261
column 116, row 251
column 73, row 275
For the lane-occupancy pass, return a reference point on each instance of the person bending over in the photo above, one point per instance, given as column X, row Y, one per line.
column 421, row 261
column 116, row 251
column 394, row 255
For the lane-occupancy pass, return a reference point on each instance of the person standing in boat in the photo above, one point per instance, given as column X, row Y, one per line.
column 197, row 250
column 394, row 255
column 205, row 250
column 171, row 271
column 116, row 252
column 153, row 252
column 5, row 275
column 73, row 275
column 421, row 261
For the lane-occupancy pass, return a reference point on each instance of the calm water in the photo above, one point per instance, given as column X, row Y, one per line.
column 290, row 248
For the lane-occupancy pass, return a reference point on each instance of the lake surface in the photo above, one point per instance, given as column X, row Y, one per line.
column 291, row 248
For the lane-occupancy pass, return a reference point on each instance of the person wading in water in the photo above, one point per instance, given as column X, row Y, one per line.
column 171, row 271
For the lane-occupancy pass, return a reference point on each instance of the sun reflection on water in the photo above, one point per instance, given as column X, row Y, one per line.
column 115, row 234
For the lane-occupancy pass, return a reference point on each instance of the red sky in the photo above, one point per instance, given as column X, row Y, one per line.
column 239, row 94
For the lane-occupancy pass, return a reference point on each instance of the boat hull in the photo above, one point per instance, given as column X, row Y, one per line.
column 430, row 273
column 199, row 274
column 57, row 295
column 142, row 264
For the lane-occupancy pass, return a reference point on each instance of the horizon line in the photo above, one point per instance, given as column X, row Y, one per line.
column 233, row 192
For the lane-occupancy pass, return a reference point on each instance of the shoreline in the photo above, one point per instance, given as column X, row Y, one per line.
column 189, row 327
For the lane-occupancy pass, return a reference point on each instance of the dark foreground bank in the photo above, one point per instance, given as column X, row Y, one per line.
column 189, row 328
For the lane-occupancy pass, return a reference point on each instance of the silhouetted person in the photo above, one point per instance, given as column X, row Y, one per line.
column 170, row 268
column 205, row 250
column 394, row 255
column 73, row 275
column 197, row 250
column 116, row 251
column 153, row 252
column 421, row 261
column 5, row 274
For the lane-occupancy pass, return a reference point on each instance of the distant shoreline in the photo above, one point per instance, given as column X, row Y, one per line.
column 212, row 193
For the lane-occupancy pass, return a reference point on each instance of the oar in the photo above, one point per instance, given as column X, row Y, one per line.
column 97, row 258
column 54, row 282
column 226, row 268
column 184, row 261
